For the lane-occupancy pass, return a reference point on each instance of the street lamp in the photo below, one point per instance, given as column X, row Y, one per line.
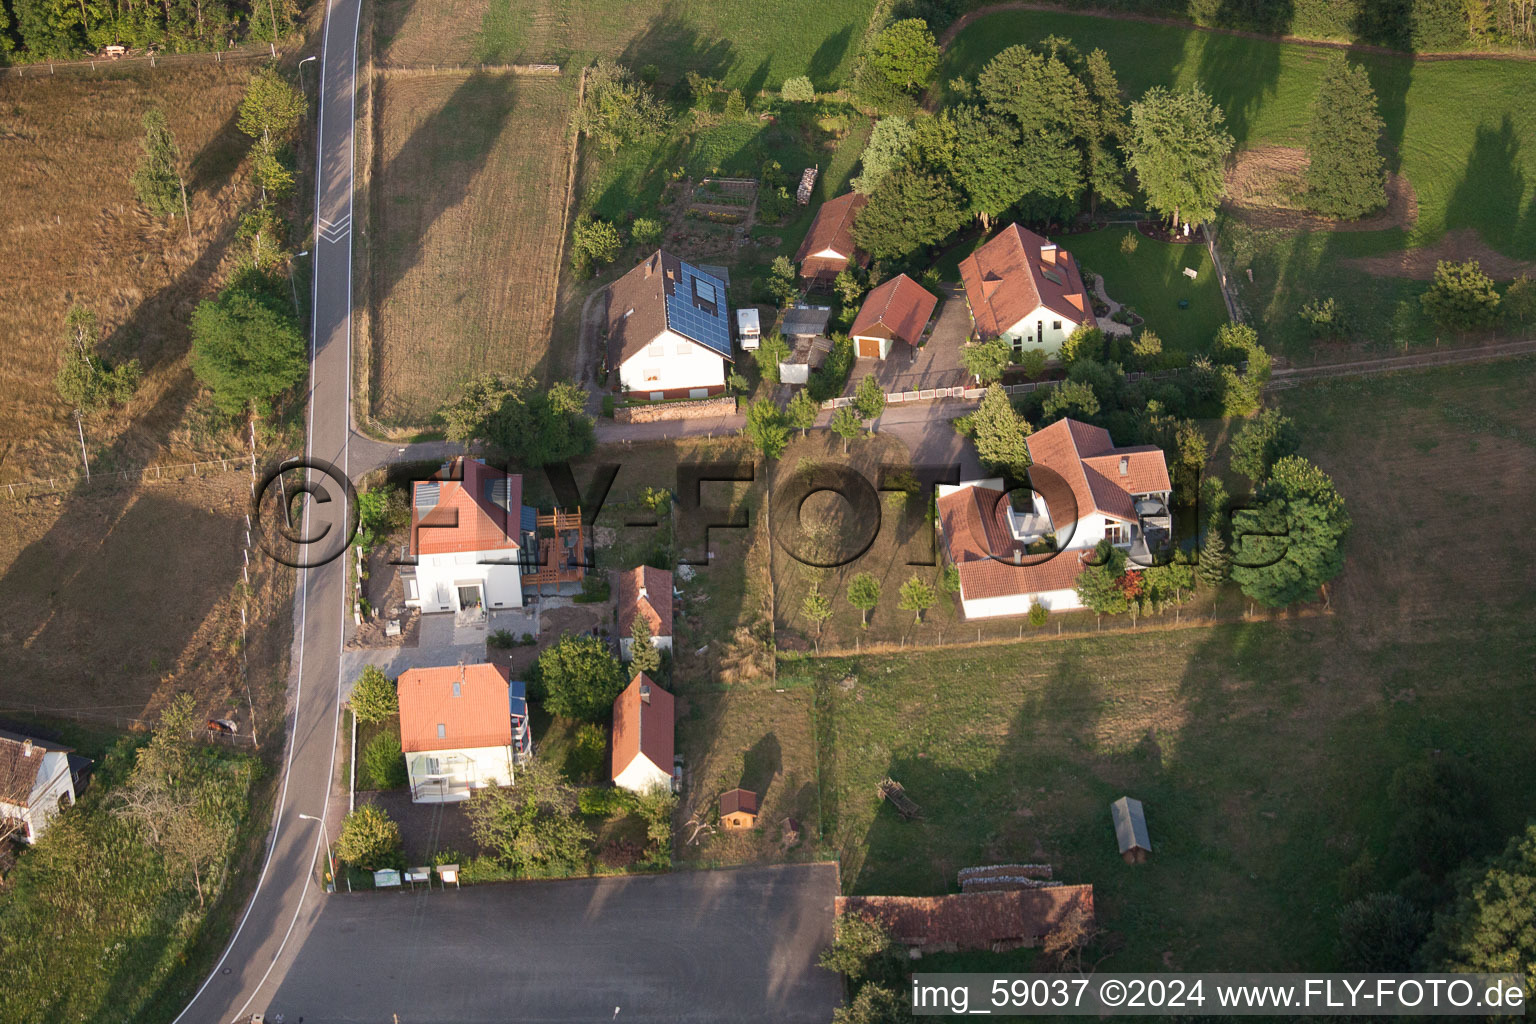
column 291, row 286
column 325, row 833
column 306, row 60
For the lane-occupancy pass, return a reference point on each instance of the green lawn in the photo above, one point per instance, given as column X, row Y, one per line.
column 1152, row 281
column 1263, row 752
column 1459, row 130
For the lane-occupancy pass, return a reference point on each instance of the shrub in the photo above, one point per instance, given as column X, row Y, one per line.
column 1129, row 242
column 798, row 90
column 1038, row 615
column 604, row 801
column 374, row 697
column 369, row 838
column 383, row 762
column 829, row 381
column 1032, row 363
column 1461, row 297
column 645, row 232
column 595, row 589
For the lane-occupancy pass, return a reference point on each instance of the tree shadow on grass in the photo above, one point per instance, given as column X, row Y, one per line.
column 1489, row 194
column 676, row 47
column 1241, row 75
column 829, row 57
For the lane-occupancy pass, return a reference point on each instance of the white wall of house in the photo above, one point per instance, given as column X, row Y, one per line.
column 1017, row 604
column 669, row 363
column 442, row 776
column 1047, row 324
column 438, row 578
column 627, row 645
column 641, row 775
column 54, row 790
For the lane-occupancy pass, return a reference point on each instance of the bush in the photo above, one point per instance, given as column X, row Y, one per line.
column 1038, row 615
column 580, row 678
column 604, row 801
column 383, row 762
column 798, row 90
column 645, row 232
column 369, row 838
column 1129, row 242
column 1380, row 933
column 503, row 639
column 584, row 762
column 247, row 347
column 829, row 381
column 593, row 243
column 374, row 696
column 595, row 589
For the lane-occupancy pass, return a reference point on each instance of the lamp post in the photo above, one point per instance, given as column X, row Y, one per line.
column 306, row 60
column 291, row 286
column 326, row 835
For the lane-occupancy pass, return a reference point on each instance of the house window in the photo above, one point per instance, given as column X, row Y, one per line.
column 1055, row 325
column 1115, row 532
column 651, row 373
column 656, row 348
column 1039, row 332
column 442, row 731
column 683, row 348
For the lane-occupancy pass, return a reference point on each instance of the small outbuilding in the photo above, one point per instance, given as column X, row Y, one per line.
column 802, row 321
column 897, row 310
column 738, row 809
column 642, row 736
column 1131, row 829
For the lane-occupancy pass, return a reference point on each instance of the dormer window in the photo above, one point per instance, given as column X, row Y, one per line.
column 442, row 731
column 457, row 692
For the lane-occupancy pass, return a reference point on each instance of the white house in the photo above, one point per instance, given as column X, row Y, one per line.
column 469, row 533
column 645, row 591
column 1022, row 287
column 462, row 728
column 668, row 334
column 35, row 784
column 1084, row 490
column 642, row 736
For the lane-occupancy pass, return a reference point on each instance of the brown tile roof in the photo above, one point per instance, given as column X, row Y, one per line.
column 642, row 724
column 467, row 517
column 18, row 772
column 1007, row 279
column 1076, row 468
column 738, row 800
column 972, row 920
column 656, row 606
column 637, row 305
column 831, row 231
column 900, row 305
column 480, row 716
column 974, row 523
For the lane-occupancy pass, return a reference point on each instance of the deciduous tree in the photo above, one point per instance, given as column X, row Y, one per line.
column 816, row 608
column 1461, row 296
column 987, row 360
column 767, row 428
column 846, row 425
column 883, row 153
column 157, row 181
column 246, row 345
column 1178, row 148
column 908, row 210
column 374, row 696
column 1068, row 398
column 84, row 381
column 1001, row 434
column 917, row 597
column 521, row 419
column 1492, row 926
column 801, row 412
column 906, row 54
column 869, row 398
column 864, row 594
column 1261, row 442
column 368, row 838
column 617, row 109
column 532, row 827
column 579, row 678
column 1293, row 544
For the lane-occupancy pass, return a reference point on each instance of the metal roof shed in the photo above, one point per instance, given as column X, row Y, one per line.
column 1131, row 829
column 806, row 321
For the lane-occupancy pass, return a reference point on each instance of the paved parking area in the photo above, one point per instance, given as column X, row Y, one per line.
column 706, row 946
column 936, row 365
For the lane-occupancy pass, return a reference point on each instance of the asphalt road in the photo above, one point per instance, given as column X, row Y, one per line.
column 287, row 899
column 708, row 946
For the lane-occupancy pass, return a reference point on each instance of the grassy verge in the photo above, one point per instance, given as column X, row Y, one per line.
column 1152, row 281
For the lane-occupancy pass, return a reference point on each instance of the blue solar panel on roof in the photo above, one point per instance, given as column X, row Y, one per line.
column 528, row 519
column 683, row 316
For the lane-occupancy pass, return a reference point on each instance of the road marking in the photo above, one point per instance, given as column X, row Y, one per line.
column 334, row 231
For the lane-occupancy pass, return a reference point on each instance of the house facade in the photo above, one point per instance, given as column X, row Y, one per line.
column 642, row 736
column 469, row 531
column 35, row 784
column 1012, row 553
column 1022, row 287
column 896, row 310
column 645, row 592
column 828, row 247
column 668, row 332
column 462, row 728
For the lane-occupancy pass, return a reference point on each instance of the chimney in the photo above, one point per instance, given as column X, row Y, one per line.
column 650, row 265
column 26, row 748
column 643, row 595
column 1125, row 465
column 1018, row 556
column 1048, row 253
column 645, row 693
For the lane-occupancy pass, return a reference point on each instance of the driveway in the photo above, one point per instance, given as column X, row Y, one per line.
column 936, row 364
column 707, row 946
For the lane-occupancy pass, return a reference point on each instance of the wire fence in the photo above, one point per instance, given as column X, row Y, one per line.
column 148, row 60
column 122, row 723
column 406, row 69
column 134, row 475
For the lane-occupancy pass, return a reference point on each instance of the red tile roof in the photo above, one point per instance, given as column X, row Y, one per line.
column 656, row 605
column 479, row 716
column 900, row 305
column 1007, row 279
column 972, row 920
column 466, row 516
column 831, row 232
column 1076, row 468
column 974, row 523
column 642, row 724
column 18, row 771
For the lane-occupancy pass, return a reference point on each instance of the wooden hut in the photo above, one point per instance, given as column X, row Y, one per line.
column 738, row 809
column 1131, row 829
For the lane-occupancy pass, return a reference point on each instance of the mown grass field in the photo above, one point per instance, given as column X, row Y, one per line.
column 469, row 193
column 1459, row 131
column 750, row 45
column 72, row 231
column 1262, row 751
column 1152, row 281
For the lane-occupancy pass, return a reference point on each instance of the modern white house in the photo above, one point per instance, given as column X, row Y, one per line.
column 469, row 532
column 645, row 591
column 35, row 784
column 642, row 736
column 668, row 333
column 1013, row 550
column 1022, row 287
column 462, row 728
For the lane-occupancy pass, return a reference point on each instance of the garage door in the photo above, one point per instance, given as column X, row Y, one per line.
column 869, row 348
